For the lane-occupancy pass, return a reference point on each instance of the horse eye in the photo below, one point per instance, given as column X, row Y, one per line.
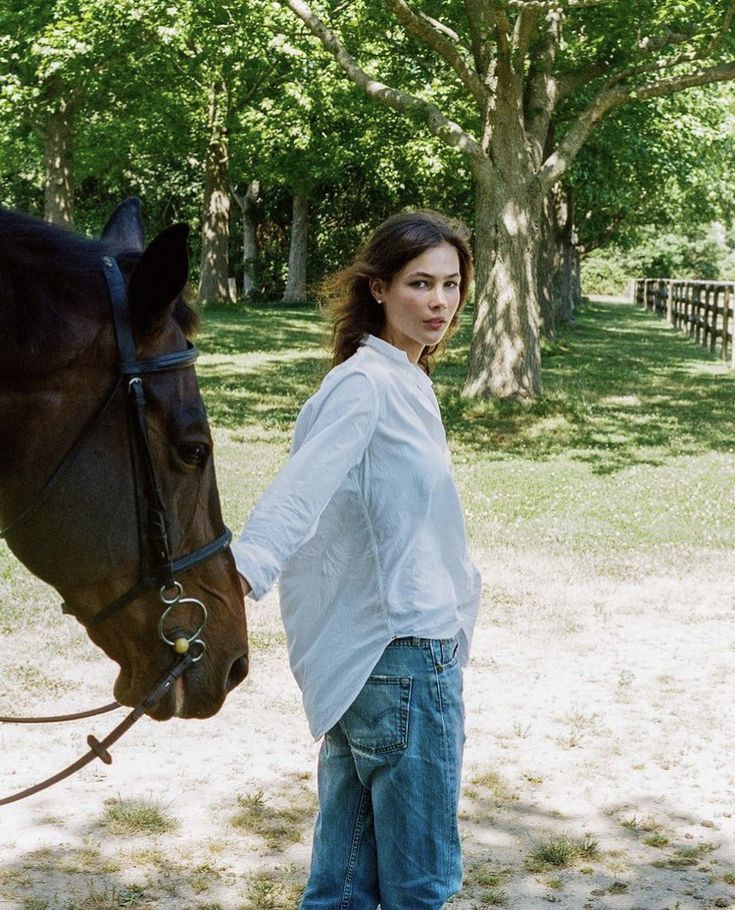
column 194, row 453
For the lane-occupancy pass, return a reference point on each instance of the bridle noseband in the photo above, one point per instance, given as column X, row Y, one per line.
column 160, row 569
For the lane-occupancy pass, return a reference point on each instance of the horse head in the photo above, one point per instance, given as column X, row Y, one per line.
column 72, row 472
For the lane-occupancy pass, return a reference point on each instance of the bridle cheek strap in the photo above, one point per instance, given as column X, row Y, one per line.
column 151, row 507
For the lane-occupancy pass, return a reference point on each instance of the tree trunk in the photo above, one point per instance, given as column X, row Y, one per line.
column 58, row 155
column 559, row 290
column 214, row 285
column 505, row 355
column 296, row 280
column 247, row 201
column 548, row 264
column 568, row 285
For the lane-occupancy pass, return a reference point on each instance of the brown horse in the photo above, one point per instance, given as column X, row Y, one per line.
column 70, row 473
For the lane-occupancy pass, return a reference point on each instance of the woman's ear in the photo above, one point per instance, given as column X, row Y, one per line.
column 377, row 289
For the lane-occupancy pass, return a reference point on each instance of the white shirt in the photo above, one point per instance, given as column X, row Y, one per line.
column 365, row 527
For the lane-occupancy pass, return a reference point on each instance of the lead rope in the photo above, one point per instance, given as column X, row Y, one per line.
column 100, row 749
column 60, row 718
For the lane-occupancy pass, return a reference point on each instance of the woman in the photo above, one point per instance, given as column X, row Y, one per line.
column 378, row 593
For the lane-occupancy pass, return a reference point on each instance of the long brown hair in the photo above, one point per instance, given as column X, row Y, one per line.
column 350, row 307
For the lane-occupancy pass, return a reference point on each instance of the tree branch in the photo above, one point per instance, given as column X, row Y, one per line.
column 433, row 35
column 502, row 33
column 447, row 130
column 604, row 235
column 614, row 96
column 541, row 96
column 577, row 78
column 524, row 29
column 478, row 19
column 664, row 63
column 545, row 5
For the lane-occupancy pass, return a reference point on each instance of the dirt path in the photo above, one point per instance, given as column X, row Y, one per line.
column 600, row 725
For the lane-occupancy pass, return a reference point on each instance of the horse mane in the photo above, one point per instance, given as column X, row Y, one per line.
column 44, row 271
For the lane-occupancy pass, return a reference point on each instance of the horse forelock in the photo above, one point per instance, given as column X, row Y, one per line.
column 187, row 317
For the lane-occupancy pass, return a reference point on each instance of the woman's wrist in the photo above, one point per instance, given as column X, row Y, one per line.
column 245, row 585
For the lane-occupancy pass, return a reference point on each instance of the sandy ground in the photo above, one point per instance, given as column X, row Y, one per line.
column 599, row 709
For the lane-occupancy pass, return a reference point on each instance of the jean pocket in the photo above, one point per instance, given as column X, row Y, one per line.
column 449, row 655
column 377, row 721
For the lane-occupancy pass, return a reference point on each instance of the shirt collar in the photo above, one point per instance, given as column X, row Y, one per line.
column 395, row 354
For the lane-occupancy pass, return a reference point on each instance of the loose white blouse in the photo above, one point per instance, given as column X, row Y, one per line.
column 365, row 527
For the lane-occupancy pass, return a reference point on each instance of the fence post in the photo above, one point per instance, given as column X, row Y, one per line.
column 670, row 302
column 715, row 314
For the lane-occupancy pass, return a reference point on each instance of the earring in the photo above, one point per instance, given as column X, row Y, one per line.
column 379, row 302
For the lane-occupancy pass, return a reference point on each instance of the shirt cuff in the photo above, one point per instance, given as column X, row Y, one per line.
column 256, row 565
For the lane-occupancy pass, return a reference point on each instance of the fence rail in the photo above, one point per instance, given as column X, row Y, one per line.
column 705, row 310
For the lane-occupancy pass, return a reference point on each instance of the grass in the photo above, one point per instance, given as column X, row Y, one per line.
column 278, row 821
column 135, row 816
column 271, row 891
column 109, row 898
column 630, row 445
column 625, row 464
column 581, row 725
column 687, row 857
column 656, row 840
column 561, row 851
column 89, row 859
column 620, row 387
column 490, row 781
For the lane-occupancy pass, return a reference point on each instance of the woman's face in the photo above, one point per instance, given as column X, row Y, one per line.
column 420, row 300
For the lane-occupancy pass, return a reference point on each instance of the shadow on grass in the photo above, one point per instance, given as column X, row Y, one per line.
column 540, row 856
column 90, row 865
column 237, row 330
column 260, row 364
column 620, row 387
column 514, row 857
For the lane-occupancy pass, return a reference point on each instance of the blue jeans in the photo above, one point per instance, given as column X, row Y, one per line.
column 389, row 774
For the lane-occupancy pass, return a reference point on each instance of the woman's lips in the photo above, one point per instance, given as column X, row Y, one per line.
column 435, row 323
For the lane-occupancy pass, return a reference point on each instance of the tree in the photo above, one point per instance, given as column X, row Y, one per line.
column 53, row 56
column 329, row 165
column 660, row 163
column 222, row 49
column 648, row 172
column 247, row 199
column 535, row 77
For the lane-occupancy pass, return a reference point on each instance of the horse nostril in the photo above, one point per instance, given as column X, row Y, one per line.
column 238, row 672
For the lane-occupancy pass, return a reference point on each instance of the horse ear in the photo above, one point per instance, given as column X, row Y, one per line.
column 124, row 232
column 160, row 276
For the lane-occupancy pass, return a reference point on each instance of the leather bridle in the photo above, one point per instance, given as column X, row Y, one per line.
column 158, row 568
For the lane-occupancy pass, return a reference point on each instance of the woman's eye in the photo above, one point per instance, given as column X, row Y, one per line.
column 194, row 453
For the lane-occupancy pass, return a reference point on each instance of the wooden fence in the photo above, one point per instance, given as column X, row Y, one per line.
column 705, row 310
